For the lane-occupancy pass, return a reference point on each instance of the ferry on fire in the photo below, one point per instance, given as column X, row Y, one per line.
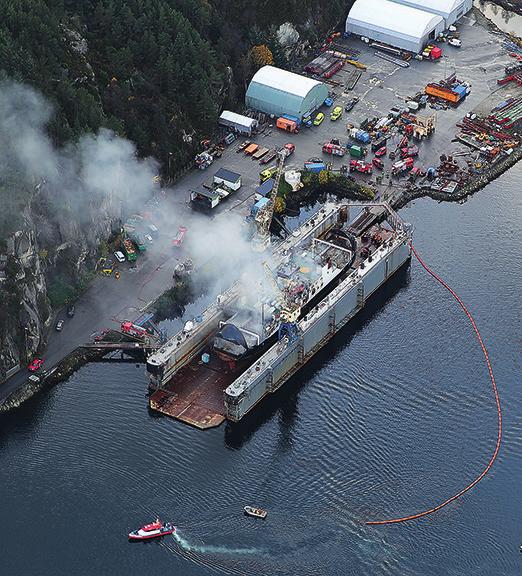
column 246, row 345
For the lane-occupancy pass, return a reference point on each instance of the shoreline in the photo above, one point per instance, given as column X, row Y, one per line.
column 81, row 356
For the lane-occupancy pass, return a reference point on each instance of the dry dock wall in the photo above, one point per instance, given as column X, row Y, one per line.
column 279, row 363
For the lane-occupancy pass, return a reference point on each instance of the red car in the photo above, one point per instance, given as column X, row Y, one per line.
column 35, row 365
column 359, row 166
column 378, row 163
column 178, row 240
column 381, row 152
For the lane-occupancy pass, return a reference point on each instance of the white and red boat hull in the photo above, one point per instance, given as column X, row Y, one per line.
column 152, row 531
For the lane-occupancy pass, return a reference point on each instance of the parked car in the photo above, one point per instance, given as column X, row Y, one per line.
column 318, row 119
column 351, row 104
column 119, row 256
column 378, row 163
column 328, row 102
column 70, row 311
column 381, row 152
column 337, row 112
column 35, row 365
column 455, row 42
column 59, row 325
column 149, row 238
column 180, row 236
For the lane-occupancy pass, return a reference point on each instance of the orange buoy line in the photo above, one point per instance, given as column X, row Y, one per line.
column 497, row 400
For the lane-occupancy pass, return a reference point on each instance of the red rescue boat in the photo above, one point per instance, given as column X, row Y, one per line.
column 152, row 530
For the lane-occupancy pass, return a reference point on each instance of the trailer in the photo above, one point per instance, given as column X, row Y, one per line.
column 261, row 151
column 333, row 69
column 238, row 123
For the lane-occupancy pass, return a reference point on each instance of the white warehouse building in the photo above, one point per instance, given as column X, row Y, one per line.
column 450, row 10
column 393, row 23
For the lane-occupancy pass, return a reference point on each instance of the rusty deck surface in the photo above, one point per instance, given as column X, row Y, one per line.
column 195, row 394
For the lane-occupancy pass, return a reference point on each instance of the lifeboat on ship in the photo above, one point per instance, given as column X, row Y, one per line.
column 153, row 530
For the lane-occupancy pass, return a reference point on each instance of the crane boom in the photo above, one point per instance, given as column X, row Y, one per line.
column 264, row 215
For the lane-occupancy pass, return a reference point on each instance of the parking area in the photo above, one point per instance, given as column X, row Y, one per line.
column 383, row 85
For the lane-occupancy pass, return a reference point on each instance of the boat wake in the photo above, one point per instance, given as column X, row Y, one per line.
column 202, row 548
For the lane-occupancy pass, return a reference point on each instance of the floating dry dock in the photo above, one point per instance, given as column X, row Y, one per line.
column 197, row 380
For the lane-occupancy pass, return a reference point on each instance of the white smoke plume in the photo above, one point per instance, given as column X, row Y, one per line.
column 100, row 177
column 98, row 173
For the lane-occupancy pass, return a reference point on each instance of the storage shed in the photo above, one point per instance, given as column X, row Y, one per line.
column 230, row 179
column 278, row 92
column 238, row 122
column 264, row 189
column 392, row 23
column 450, row 10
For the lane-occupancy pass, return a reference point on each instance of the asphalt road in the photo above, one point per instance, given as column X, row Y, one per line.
column 480, row 61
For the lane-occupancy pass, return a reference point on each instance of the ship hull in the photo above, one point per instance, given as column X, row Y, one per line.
column 283, row 360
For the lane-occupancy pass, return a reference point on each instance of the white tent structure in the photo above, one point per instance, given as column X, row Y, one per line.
column 238, row 122
column 276, row 91
column 450, row 10
column 392, row 23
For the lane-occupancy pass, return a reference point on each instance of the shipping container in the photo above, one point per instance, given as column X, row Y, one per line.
column 357, row 151
column 238, row 123
column 292, row 119
column 315, row 167
column 441, row 92
column 287, row 125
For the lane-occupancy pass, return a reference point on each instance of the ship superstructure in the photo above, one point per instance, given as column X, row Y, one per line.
column 240, row 349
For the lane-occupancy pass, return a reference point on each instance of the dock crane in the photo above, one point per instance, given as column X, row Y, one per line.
column 265, row 214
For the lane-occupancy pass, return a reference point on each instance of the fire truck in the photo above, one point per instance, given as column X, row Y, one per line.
column 133, row 330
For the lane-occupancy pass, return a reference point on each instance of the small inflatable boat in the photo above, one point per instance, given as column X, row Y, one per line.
column 256, row 512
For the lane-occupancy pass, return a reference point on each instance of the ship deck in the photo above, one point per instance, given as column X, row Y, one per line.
column 195, row 394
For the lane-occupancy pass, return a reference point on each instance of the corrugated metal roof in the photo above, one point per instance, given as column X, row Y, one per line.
column 284, row 80
column 388, row 15
column 265, row 188
column 238, row 119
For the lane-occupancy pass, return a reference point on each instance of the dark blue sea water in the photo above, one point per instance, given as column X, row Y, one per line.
column 393, row 416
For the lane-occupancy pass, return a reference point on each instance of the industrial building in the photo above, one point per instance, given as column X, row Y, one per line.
column 276, row 91
column 393, row 23
column 228, row 178
column 450, row 10
column 238, row 122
